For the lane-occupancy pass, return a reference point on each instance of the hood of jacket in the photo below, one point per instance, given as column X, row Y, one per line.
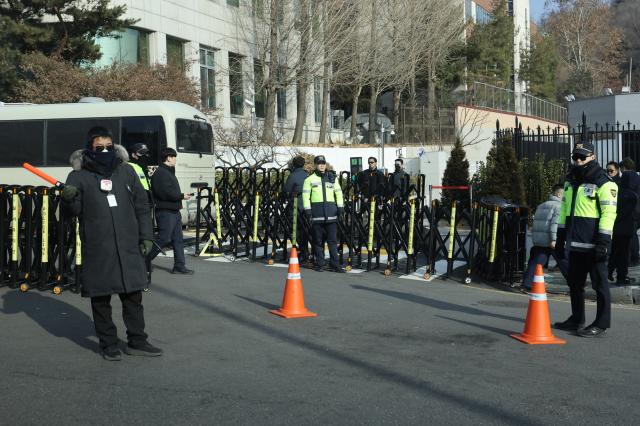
column 555, row 198
column 77, row 159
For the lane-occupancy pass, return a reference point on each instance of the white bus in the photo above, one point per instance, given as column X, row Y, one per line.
column 46, row 135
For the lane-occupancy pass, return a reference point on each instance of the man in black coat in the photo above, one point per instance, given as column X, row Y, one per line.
column 628, row 166
column 168, row 199
column 371, row 182
column 292, row 186
column 398, row 185
column 623, row 230
column 116, row 234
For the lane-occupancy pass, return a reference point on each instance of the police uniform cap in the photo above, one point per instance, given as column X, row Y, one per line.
column 584, row 148
column 319, row 159
column 139, row 149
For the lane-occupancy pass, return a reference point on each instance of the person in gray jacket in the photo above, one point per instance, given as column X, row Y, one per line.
column 545, row 225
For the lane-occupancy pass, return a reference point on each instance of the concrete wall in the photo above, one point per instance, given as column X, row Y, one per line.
column 599, row 110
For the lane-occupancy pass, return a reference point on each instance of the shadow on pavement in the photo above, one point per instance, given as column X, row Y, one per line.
column 481, row 326
column 493, row 412
column 437, row 304
column 258, row 302
column 55, row 316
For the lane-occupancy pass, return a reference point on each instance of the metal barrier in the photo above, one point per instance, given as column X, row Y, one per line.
column 248, row 215
column 37, row 245
column 501, row 242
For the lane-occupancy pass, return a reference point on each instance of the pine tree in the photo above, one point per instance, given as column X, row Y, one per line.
column 65, row 29
column 456, row 174
column 503, row 173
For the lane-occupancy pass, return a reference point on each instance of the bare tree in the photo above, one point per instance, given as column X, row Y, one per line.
column 469, row 126
column 294, row 41
column 590, row 45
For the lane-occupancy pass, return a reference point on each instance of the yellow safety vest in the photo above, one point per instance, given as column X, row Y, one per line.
column 322, row 195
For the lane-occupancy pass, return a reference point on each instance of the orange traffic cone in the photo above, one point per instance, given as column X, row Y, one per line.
column 537, row 327
column 293, row 301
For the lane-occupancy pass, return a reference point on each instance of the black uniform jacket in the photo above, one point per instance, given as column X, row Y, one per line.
column 110, row 235
column 294, row 184
column 166, row 189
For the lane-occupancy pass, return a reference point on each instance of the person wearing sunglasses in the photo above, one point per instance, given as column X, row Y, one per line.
column 116, row 233
column 585, row 226
column 613, row 171
column 371, row 182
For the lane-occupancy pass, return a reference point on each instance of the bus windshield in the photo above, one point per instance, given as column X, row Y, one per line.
column 194, row 136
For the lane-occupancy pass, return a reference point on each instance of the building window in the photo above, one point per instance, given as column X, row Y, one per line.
column 234, row 3
column 482, row 15
column 129, row 47
column 175, row 52
column 260, row 95
column 468, row 15
column 510, row 7
column 207, row 78
column 236, row 93
column 317, row 100
column 281, row 96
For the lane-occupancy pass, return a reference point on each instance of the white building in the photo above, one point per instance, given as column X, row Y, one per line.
column 203, row 34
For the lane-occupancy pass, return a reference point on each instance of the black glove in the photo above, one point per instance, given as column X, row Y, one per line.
column 69, row 192
column 340, row 211
column 145, row 247
column 560, row 241
column 307, row 214
column 602, row 248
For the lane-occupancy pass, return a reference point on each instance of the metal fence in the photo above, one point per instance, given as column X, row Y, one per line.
column 611, row 142
column 484, row 95
column 418, row 127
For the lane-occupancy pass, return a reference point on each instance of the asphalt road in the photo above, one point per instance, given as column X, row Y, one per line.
column 381, row 351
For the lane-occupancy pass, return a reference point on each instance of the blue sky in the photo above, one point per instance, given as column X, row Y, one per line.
column 537, row 7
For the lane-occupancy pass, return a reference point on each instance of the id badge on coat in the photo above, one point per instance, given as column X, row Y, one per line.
column 111, row 199
column 589, row 190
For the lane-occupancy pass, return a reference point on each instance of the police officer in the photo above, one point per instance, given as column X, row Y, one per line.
column 585, row 225
column 293, row 186
column 139, row 161
column 323, row 204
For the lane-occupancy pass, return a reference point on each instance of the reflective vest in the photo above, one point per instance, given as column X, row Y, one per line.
column 588, row 212
column 143, row 178
column 322, row 195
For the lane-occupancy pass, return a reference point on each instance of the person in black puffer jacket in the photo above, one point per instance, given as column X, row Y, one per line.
column 168, row 198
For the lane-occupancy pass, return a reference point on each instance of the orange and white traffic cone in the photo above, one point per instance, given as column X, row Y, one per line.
column 293, row 300
column 537, row 327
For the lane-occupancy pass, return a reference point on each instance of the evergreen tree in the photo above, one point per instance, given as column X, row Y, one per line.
column 490, row 48
column 503, row 176
column 540, row 65
column 65, row 29
column 456, row 174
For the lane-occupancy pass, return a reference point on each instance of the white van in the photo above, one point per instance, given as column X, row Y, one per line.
column 45, row 136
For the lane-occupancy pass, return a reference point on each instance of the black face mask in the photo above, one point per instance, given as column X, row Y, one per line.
column 144, row 161
column 104, row 158
column 398, row 167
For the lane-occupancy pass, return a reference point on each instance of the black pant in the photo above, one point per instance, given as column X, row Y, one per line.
column 619, row 260
column 170, row 231
column 132, row 314
column 537, row 256
column 330, row 231
column 302, row 237
column 635, row 248
column 581, row 264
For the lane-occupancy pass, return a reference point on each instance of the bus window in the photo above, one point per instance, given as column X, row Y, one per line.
column 147, row 130
column 194, row 136
column 66, row 136
column 21, row 141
